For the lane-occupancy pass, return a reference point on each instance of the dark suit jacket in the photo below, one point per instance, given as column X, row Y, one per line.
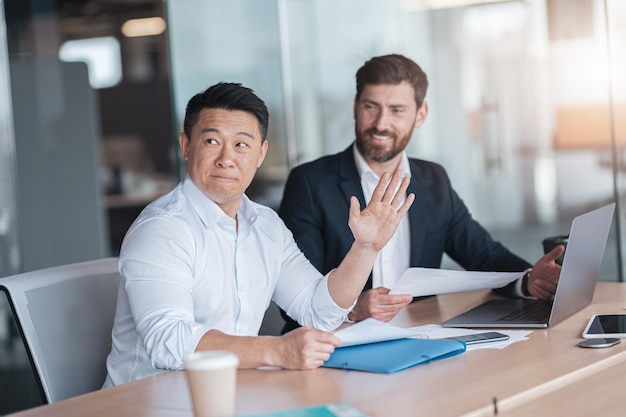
column 315, row 207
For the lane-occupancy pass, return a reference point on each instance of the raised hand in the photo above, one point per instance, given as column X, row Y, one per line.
column 372, row 228
column 376, row 224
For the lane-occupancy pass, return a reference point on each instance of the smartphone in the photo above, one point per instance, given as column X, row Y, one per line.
column 471, row 339
column 606, row 325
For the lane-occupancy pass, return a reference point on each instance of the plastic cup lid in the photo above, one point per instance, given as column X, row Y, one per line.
column 211, row 360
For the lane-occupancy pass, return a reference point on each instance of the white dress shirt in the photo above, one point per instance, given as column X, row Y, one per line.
column 394, row 259
column 186, row 269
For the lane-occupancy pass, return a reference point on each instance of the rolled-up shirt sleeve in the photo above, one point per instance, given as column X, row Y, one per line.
column 159, row 284
column 303, row 292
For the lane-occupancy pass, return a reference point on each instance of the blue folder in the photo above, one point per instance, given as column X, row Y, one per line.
column 393, row 355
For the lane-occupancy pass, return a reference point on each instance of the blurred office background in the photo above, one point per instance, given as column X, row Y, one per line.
column 527, row 112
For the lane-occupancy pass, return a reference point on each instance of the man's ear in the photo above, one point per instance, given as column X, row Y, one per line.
column 422, row 113
column 183, row 143
column 263, row 151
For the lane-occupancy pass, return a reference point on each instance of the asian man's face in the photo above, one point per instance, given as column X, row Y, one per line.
column 223, row 154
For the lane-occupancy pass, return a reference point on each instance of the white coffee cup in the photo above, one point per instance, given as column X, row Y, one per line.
column 212, row 379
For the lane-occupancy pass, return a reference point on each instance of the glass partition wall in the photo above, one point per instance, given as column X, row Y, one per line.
column 615, row 18
column 9, row 252
column 18, row 389
column 524, row 113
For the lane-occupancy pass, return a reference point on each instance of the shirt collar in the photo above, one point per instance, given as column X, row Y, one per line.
column 210, row 213
column 364, row 169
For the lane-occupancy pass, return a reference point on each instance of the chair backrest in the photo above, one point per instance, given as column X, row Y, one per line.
column 65, row 317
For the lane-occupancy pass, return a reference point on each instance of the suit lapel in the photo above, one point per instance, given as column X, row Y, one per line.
column 350, row 182
column 416, row 215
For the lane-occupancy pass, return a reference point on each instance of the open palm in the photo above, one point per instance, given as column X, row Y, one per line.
column 378, row 221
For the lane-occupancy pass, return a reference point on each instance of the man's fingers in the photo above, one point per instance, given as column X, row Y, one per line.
column 386, row 318
column 542, row 289
column 554, row 254
column 393, row 300
column 384, row 315
column 407, row 204
column 543, row 294
column 355, row 208
column 390, row 191
column 388, row 309
column 547, row 286
column 399, row 195
column 381, row 188
column 391, row 188
column 327, row 340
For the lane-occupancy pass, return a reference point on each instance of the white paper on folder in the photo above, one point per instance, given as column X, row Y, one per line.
column 432, row 281
column 435, row 331
column 371, row 330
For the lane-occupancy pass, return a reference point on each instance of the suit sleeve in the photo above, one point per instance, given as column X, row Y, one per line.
column 473, row 247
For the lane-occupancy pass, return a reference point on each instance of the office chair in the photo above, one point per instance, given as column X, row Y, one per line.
column 65, row 317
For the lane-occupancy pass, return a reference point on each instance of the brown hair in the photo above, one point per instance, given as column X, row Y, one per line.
column 392, row 69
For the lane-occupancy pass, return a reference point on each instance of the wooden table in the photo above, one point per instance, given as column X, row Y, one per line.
column 599, row 394
column 518, row 376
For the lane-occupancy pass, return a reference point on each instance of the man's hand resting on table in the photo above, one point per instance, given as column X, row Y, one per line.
column 303, row 348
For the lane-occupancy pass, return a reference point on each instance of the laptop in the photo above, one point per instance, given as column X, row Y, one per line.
column 581, row 267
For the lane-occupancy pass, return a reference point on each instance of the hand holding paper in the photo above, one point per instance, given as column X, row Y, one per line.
column 431, row 281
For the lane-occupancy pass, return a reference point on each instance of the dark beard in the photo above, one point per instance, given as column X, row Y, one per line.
column 374, row 153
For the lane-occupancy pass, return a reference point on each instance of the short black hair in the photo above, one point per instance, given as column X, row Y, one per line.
column 392, row 69
column 228, row 96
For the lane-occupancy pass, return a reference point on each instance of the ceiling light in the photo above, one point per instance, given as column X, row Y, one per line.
column 148, row 26
column 102, row 56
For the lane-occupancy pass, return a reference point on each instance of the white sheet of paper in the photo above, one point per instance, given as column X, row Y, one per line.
column 371, row 330
column 435, row 331
column 432, row 281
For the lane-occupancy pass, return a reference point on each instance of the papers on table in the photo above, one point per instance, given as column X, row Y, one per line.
column 374, row 346
column 435, row 331
column 432, row 281
column 372, row 330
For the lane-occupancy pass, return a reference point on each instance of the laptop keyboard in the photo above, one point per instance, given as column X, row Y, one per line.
column 531, row 312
